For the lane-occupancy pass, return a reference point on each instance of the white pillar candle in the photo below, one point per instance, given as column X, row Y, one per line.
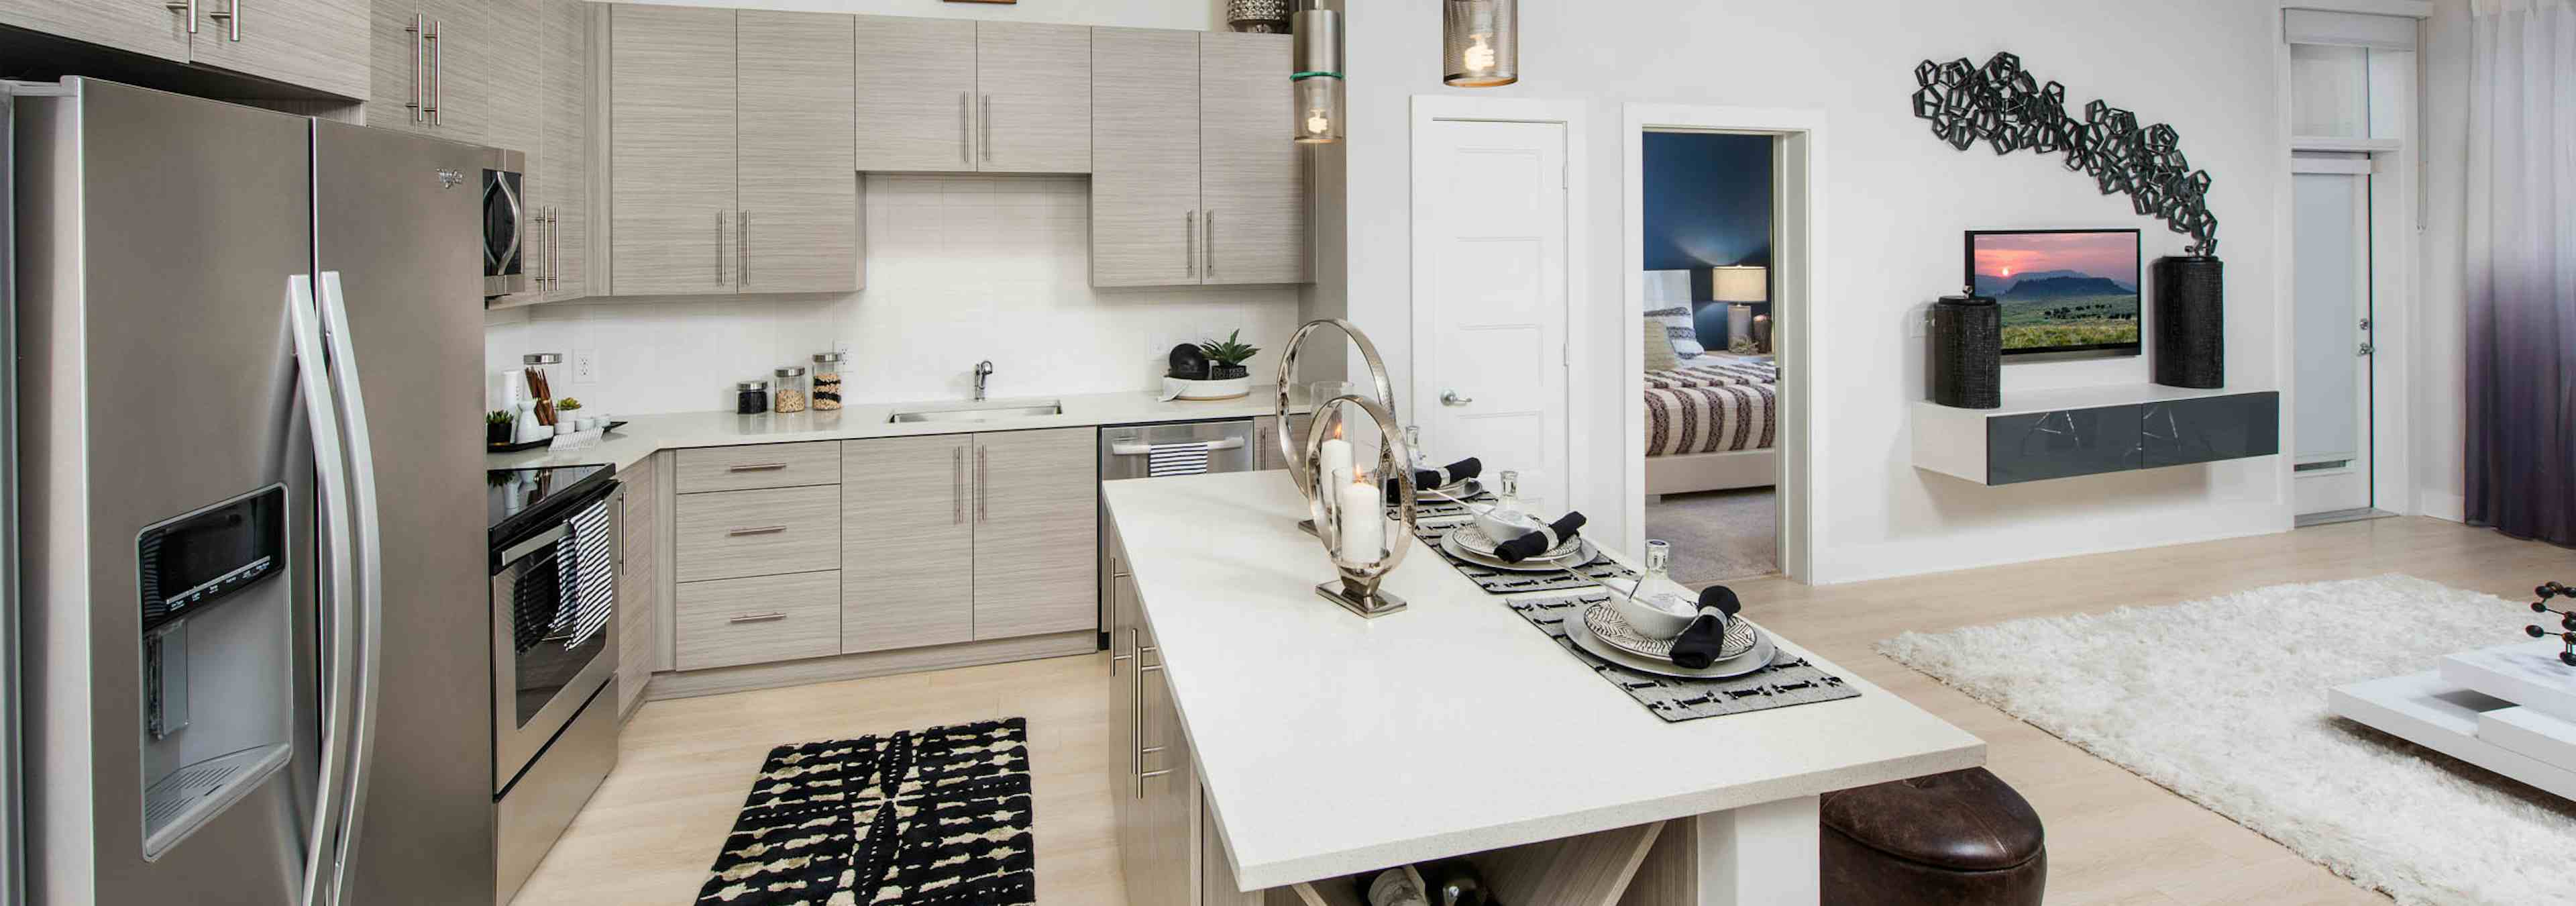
column 1362, row 520
column 1334, row 459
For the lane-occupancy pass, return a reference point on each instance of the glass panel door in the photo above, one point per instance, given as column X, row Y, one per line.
column 2330, row 248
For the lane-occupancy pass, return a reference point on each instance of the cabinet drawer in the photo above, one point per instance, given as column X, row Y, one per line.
column 758, row 533
column 763, row 466
column 765, row 618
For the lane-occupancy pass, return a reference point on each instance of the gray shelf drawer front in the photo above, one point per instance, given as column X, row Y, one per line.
column 2061, row 444
column 2210, row 429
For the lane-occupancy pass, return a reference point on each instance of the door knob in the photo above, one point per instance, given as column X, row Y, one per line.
column 1451, row 398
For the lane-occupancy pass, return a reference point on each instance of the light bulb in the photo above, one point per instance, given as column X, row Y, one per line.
column 1479, row 56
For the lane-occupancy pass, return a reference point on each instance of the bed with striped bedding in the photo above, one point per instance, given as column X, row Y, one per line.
column 1712, row 405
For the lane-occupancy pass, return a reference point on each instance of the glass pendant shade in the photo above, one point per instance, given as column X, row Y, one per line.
column 1481, row 46
column 1316, row 94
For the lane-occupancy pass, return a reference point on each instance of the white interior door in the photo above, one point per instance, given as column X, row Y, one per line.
column 2331, row 412
column 1489, row 322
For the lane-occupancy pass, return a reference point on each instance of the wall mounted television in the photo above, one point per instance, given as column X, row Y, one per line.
column 2061, row 291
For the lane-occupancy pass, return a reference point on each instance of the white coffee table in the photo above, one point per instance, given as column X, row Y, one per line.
column 2510, row 709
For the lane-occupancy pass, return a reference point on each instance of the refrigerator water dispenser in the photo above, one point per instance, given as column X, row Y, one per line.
column 218, row 691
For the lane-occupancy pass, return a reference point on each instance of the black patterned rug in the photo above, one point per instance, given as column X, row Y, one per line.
column 934, row 816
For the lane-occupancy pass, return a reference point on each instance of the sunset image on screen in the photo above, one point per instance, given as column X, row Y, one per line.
column 2060, row 291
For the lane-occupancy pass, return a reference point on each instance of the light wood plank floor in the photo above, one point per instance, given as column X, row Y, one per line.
column 652, row 830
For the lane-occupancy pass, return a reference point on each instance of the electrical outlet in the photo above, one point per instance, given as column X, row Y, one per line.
column 585, row 366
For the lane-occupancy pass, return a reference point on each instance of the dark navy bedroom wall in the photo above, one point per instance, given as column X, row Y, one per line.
column 1708, row 202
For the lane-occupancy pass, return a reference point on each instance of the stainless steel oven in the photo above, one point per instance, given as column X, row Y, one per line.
column 554, row 619
column 505, row 223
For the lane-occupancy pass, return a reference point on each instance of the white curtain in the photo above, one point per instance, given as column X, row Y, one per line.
column 2521, row 269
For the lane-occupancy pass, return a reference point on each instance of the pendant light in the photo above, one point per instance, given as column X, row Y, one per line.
column 1315, row 95
column 1482, row 47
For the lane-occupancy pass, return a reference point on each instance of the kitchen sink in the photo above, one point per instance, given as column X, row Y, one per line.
column 978, row 412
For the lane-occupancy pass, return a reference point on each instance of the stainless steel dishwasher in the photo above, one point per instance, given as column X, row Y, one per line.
column 1169, row 448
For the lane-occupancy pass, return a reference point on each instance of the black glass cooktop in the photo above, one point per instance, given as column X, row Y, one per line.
column 519, row 500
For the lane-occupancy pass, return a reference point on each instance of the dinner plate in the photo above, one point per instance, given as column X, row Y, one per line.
column 1611, row 627
column 1584, row 555
column 1761, row 655
column 1474, row 539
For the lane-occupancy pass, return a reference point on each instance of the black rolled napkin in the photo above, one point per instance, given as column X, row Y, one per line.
column 1541, row 541
column 1427, row 479
column 1701, row 641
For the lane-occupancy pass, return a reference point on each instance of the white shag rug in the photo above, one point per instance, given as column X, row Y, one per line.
column 2223, row 701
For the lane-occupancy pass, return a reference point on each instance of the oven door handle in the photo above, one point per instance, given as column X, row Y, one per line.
column 543, row 540
column 371, row 572
column 323, row 412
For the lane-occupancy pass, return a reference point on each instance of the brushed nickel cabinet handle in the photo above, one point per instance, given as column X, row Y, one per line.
column 757, row 617
column 437, row 73
column 1210, row 238
column 742, row 247
column 1190, row 243
column 983, row 488
column 957, row 486
column 419, row 30
column 554, row 248
column 185, row 6
column 985, row 123
column 230, row 16
column 756, row 467
column 720, row 218
column 965, row 128
column 756, row 530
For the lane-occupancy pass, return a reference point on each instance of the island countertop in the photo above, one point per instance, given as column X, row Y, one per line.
column 1329, row 744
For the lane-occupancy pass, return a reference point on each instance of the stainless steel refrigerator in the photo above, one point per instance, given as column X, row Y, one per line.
column 255, row 641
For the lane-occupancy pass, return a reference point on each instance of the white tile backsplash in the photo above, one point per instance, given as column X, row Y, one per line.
column 959, row 269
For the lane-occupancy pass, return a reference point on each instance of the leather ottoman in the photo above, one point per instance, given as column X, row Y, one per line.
column 1958, row 839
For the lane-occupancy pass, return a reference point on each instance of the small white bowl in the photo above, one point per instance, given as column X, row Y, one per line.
column 1505, row 525
column 1652, row 614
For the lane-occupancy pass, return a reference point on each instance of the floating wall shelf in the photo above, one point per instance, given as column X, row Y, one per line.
column 2038, row 435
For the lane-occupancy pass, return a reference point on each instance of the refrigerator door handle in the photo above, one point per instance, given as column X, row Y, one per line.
column 371, row 571
column 312, row 374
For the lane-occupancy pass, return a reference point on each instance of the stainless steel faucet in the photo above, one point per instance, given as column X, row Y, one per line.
column 983, row 372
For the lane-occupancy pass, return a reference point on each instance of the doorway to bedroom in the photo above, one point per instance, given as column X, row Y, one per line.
column 1709, row 339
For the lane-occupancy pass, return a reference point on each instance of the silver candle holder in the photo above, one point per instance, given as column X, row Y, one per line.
column 1299, row 471
column 1361, row 571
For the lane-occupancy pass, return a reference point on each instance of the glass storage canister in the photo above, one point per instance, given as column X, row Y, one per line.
column 789, row 394
column 827, row 380
column 750, row 397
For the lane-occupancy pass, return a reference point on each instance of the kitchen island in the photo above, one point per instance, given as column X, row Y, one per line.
column 1276, row 744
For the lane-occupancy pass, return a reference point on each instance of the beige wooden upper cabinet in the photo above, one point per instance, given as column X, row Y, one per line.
column 1145, row 168
column 797, row 222
column 1252, row 187
column 316, row 44
column 431, row 61
column 1037, row 517
column 916, row 94
column 1034, row 87
column 732, row 166
column 559, row 168
column 953, row 95
column 672, row 143
column 1195, row 180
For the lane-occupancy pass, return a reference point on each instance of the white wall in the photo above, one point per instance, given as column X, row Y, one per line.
column 1201, row 15
column 1898, row 201
column 2440, row 387
column 960, row 269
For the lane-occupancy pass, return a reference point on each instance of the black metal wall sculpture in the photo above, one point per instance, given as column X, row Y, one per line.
column 2002, row 105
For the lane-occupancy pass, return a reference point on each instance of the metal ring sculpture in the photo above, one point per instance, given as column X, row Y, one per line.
column 1357, row 589
column 1298, row 469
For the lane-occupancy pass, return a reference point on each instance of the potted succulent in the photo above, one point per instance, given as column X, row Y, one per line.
column 567, row 415
column 497, row 427
column 1211, row 370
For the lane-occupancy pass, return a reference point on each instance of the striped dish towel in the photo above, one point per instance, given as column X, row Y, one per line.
column 1176, row 459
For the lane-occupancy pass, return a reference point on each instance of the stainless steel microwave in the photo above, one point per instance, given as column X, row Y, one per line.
column 504, row 223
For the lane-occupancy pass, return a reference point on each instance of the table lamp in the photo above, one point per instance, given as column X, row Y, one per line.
column 1739, row 286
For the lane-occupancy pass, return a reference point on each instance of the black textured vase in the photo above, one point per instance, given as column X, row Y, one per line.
column 2191, row 322
column 1967, row 352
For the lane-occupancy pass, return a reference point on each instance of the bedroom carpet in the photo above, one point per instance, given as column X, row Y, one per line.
column 2223, row 701
column 1717, row 535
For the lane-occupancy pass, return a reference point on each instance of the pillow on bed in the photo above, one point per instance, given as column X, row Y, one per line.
column 1678, row 331
column 1659, row 346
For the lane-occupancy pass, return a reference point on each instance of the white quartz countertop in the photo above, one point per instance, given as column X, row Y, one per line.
column 1330, row 744
column 644, row 434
